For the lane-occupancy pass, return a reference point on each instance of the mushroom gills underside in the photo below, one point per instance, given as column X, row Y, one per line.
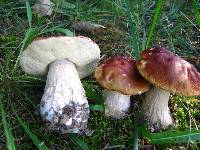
column 155, row 109
column 117, row 105
column 64, row 105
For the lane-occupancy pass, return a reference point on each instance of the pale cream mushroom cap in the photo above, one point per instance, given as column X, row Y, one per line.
column 43, row 7
column 81, row 51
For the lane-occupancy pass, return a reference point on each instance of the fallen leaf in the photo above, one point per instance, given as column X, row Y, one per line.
column 87, row 27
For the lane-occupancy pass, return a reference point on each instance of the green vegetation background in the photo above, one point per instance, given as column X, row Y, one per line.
column 21, row 127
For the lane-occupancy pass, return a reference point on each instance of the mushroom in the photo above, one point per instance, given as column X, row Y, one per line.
column 121, row 79
column 64, row 105
column 43, row 7
column 168, row 73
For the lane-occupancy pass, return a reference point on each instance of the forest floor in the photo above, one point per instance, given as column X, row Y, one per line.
column 176, row 30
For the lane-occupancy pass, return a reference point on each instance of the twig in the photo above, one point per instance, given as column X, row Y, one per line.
column 112, row 147
column 190, row 21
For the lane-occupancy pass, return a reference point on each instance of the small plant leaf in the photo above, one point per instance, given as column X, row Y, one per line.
column 155, row 19
column 29, row 13
column 175, row 137
column 76, row 140
column 65, row 31
column 92, row 92
column 61, row 30
column 97, row 107
column 143, row 130
column 8, row 133
column 40, row 145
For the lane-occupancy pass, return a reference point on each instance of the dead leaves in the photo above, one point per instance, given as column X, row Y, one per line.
column 87, row 27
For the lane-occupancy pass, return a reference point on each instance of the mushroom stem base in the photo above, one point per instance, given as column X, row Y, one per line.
column 116, row 104
column 155, row 109
column 64, row 105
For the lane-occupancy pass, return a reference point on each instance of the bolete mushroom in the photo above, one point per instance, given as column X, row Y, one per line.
column 43, row 7
column 64, row 105
column 168, row 73
column 121, row 79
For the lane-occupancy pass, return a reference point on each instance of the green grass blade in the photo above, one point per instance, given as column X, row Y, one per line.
column 9, row 136
column 155, row 19
column 134, row 44
column 135, row 132
column 31, row 33
column 65, row 31
column 40, row 145
column 76, row 140
column 170, row 137
column 29, row 36
column 196, row 8
column 61, row 30
column 134, row 38
column 29, row 13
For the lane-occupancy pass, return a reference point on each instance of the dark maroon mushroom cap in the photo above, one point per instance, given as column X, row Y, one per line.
column 168, row 71
column 120, row 74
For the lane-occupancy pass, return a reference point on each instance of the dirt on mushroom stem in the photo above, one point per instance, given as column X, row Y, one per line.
column 72, row 110
column 64, row 105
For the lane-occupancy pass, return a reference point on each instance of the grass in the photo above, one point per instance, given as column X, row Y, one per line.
column 176, row 29
column 7, row 131
column 40, row 145
column 155, row 19
column 133, row 32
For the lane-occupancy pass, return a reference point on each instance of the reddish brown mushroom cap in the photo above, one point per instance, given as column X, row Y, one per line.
column 120, row 74
column 166, row 70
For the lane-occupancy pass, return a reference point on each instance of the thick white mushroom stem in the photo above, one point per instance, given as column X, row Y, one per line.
column 155, row 109
column 64, row 105
column 116, row 104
